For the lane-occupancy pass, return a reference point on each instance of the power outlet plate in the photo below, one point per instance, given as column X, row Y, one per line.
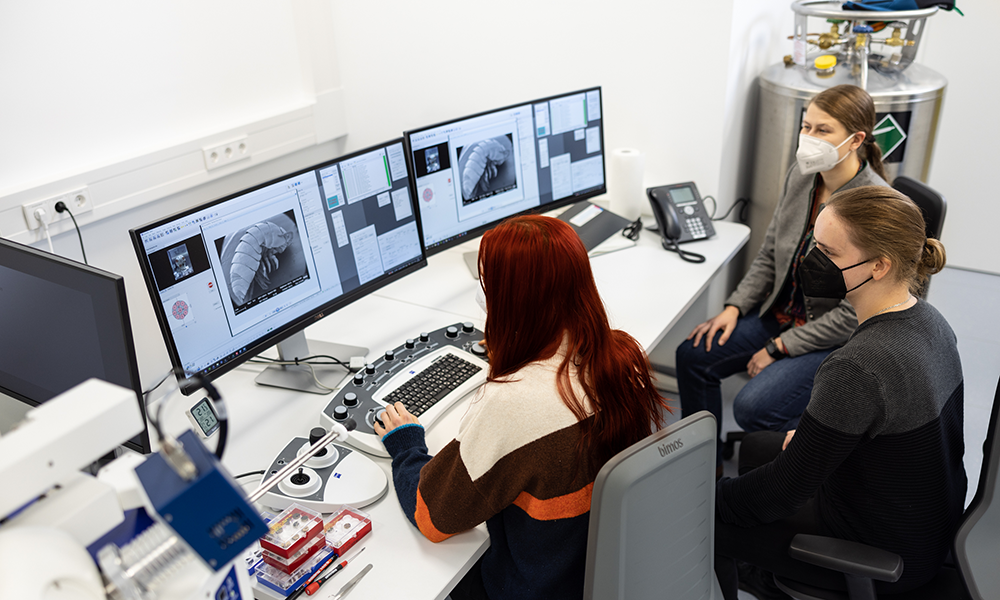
column 78, row 201
column 226, row 154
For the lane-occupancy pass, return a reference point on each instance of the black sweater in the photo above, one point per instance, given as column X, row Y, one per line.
column 880, row 445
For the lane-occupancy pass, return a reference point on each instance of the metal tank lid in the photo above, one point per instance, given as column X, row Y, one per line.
column 916, row 84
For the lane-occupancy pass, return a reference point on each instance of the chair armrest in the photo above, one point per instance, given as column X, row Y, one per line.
column 847, row 557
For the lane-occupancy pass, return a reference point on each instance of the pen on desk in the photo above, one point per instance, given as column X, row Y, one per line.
column 312, row 578
column 312, row 587
column 319, row 571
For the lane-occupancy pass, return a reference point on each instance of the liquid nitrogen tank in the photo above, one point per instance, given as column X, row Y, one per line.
column 873, row 50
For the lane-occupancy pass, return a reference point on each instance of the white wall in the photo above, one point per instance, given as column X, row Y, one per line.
column 967, row 153
column 663, row 79
column 88, row 83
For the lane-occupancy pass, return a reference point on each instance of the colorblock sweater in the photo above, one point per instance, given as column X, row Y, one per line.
column 513, row 466
column 880, row 446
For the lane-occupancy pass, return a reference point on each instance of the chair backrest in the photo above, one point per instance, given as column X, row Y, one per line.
column 977, row 543
column 652, row 518
column 931, row 203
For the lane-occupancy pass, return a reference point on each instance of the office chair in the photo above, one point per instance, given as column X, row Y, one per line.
column 933, row 206
column 652, row 518
column 931, row 203
column 974, row 576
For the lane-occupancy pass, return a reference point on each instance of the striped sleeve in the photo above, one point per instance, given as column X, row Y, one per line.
column 414, row 471
column 517, row 447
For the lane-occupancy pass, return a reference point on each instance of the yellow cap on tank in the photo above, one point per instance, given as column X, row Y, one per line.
column 825, row 62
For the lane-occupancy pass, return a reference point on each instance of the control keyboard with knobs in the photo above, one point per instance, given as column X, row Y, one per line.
column 428, row 373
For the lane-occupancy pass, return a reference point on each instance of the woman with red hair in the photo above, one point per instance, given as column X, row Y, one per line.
column 565, row 393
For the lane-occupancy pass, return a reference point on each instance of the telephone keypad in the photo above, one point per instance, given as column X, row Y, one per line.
column 695, row 227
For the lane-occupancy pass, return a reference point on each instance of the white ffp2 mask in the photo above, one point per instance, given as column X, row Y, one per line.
column 815, row 155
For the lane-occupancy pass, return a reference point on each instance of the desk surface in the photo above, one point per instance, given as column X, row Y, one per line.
column 645, row 290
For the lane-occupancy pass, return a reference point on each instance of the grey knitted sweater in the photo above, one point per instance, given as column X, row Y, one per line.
column 880, row 445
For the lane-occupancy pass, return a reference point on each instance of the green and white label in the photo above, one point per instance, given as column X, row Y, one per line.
column 889, row 135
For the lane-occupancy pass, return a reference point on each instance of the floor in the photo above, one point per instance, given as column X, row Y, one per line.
column 965, row 298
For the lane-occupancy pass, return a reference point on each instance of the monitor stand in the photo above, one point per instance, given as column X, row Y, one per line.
column 300, row 377
column 472, row 261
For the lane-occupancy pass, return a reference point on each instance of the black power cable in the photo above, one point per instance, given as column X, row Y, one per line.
column 743, row 203
column 61, row 207
column 633, row 229
column 203, row 383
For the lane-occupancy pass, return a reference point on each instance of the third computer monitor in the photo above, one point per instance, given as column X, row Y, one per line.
column 473, row 172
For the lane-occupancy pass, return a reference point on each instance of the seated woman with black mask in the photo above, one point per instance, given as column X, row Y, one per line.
column 877, row 456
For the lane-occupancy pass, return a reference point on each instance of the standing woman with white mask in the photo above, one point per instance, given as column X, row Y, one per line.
column 769, row 328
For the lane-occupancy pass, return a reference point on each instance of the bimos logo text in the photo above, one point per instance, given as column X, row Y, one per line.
column 666, row 448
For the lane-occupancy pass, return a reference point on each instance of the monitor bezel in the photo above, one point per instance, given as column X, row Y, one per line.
column 298, row 324
column 143, row 447
column 475, row 232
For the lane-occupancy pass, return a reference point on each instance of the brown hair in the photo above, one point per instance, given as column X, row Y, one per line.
column 855, row 110
column 883, row 222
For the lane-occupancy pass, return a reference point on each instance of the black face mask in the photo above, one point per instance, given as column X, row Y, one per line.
column 821, row 278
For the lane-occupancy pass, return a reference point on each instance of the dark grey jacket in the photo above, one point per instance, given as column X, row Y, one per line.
column 829, row 322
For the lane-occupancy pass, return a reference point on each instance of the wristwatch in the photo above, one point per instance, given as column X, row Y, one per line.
column 772, row 350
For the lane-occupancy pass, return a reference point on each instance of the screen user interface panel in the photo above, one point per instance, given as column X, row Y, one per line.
column 229, row 278
column 472, row 172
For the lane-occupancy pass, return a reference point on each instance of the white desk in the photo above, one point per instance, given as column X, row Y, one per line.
column 644, row 288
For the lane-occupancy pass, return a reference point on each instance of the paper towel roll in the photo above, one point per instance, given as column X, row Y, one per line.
column 625, row 182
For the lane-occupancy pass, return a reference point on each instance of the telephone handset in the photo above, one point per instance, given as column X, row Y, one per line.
column 680, row 217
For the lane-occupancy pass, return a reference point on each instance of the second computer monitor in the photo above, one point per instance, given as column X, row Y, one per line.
column 473, row 172
column 237, row 275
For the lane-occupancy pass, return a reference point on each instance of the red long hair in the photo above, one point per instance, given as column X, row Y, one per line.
column 540, row 293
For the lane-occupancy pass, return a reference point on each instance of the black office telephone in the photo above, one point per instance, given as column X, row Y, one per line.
column 679, row 212
column 680, row 217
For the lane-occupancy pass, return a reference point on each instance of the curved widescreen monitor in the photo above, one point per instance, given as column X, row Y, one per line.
column 62, row 323
column 235, row 276
column 473, row 172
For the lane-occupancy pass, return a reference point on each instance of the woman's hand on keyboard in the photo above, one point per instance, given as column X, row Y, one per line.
column 394, row 416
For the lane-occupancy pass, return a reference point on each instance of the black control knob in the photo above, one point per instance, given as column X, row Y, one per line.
column 359, row 378
column 451, row 332
column 389, row 355
column 350, row 399
column 370, row 369
column 300, row 478
column 316, row 434
column 410, row 343
column 424, row 336
column 468, row 327
column 340, row 413
column 478, row 349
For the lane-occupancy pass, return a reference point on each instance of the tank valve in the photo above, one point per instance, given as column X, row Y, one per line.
column 897, row 38
column 827, row 40
column 862, row 32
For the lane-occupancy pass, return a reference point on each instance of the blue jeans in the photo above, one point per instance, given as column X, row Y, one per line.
column 772, row 401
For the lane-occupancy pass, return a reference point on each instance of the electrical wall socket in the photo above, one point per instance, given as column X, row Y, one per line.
column 78, row 201
column 227, row 153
